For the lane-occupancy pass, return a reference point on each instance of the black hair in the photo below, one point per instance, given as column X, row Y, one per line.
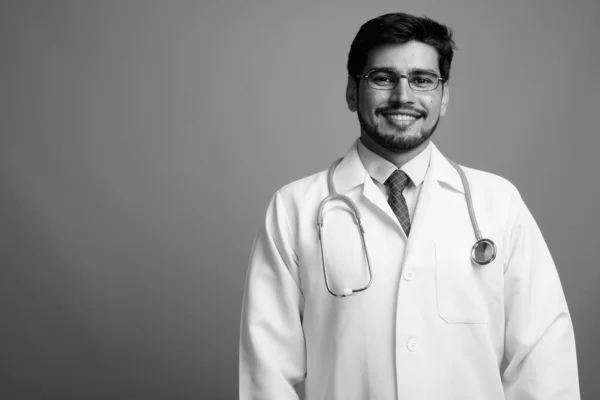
column 400, row 28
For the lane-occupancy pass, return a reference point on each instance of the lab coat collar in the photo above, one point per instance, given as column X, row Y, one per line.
column 443, row 171
column 351, row 172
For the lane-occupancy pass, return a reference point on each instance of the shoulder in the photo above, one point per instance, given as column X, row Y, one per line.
column 300, row 191
column 295, row 204
column 489, row 182
column 481, row 183
column 496, row 197
column 492, row 195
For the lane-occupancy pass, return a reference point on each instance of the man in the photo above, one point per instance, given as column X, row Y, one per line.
column 414, row 317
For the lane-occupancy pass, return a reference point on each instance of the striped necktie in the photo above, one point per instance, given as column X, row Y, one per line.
column 397, row 181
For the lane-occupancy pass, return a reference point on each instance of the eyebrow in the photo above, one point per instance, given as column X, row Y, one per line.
column 412, row 71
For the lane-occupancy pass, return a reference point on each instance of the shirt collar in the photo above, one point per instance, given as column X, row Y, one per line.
column 351, row 171
column 380, row 169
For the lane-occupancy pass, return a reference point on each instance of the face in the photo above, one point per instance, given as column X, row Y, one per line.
column 400, row 119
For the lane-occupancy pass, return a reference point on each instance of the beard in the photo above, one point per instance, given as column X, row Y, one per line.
column 397, row 143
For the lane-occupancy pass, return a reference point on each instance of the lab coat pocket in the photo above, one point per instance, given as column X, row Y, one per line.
column 466, row 293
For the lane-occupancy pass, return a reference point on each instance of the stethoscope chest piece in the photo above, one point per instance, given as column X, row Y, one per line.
column 483, row 252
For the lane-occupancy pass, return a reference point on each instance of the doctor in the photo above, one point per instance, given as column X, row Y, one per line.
column 432, row 324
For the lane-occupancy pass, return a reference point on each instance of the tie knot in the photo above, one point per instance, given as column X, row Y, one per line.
column 397, row 181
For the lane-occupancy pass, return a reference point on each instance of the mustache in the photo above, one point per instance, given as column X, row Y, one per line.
column 398, row 108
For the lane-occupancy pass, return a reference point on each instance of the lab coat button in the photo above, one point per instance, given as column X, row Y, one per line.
column 412, row 344
column 409, row 275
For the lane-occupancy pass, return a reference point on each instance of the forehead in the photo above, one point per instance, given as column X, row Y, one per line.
column 403, row 57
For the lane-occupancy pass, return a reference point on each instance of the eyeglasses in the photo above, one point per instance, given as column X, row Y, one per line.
column 388, row 80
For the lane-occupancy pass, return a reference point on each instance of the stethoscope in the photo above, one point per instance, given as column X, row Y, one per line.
column 483, row 251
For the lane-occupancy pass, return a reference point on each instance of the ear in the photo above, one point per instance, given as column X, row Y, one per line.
column 445, row 98
column 352, row 94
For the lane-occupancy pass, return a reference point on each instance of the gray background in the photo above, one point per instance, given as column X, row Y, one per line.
column 141, row 142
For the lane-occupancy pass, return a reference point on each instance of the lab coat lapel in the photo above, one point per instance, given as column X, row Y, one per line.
column 423, row 227
column 433, row 209
column 431, row 206
column 374, row 195
column 351, row 173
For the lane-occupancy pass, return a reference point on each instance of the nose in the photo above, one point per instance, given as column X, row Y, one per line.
column 402, row 92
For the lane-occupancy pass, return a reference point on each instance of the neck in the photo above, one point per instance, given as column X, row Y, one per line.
column 396, row 158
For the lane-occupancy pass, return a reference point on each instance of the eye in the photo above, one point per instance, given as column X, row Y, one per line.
column 382, row 79
column 423, row 80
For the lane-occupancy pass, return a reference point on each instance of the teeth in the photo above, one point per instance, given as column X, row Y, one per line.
column 401, row 117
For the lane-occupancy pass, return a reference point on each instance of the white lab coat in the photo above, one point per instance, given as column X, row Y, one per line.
column 432, row 325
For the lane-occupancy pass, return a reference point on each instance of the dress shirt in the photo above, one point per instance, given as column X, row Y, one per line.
column 380, row 169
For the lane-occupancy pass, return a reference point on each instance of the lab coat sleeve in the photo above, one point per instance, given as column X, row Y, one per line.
column 540, row 357
column 272, row 351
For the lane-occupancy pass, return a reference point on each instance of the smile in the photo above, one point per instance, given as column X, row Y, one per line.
column 401, row 120
column 401, row 117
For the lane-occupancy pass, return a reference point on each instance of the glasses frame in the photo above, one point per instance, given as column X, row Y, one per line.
column 400, row 76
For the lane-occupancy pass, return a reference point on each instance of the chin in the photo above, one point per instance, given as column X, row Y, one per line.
column 399, row 143
column 404, row 146
column 395, row 140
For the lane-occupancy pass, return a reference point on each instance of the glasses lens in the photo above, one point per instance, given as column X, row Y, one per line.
column 382, row 80
column 423, row 81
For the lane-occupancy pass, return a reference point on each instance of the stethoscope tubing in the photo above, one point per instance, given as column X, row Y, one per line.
column 479, row 253
column 468, row 197
column 334, row 195
column 480, row 243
